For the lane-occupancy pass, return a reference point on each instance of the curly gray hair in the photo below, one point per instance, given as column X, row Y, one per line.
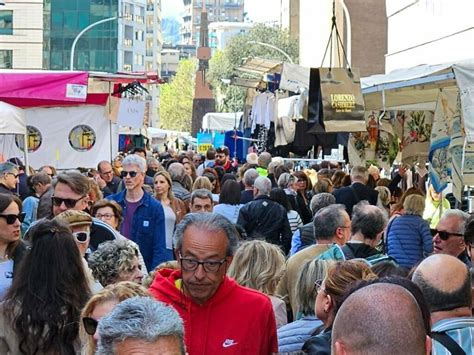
column 139, row 318
column 110, row 259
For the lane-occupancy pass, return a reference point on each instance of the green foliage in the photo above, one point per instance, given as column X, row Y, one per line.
column 223, row 65
column 176, row 98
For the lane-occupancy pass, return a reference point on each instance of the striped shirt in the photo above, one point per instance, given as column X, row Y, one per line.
column 460, row 329
column 295, row 220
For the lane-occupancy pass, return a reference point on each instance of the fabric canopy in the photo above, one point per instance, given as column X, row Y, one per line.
column 12, row 119
column 47, row 86
column 414, row 88
column 221, row 121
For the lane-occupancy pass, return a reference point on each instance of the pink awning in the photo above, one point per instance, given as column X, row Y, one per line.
column 43, row 88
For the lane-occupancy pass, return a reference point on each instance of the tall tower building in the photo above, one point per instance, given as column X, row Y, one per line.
column 203, row 101
column 217, row 11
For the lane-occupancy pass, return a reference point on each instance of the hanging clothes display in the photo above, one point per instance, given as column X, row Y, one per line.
column 261, row 134
column 461, row 154
column 261, row 114
column 464, row 81
column 378, row 145
column 440, row 166
column 414, row 130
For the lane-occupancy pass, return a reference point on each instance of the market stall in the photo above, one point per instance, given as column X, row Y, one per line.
column 434, row 105
column 71, row 117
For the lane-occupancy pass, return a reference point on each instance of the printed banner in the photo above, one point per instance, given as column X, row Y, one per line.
column 66, row 137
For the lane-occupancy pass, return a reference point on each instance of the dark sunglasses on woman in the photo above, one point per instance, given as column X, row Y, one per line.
column 90, row 325
column 11, row 218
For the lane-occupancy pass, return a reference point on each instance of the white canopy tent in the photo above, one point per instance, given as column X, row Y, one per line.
column 12, row 123
column 221, row 121
column 414, row 88
column 419, row 88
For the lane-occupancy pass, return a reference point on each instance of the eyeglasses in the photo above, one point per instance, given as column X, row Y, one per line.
column 443, row 235
column 14, row 175
column 132, row 173
column 318, row 286
column 11, row 218
column 81, row 237
column 105, row 215
column 90, row 325
column 189, row 264
column 68, row 202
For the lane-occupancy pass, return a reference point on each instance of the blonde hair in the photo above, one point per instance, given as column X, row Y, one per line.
column 414, row 205
column 202, row 182
column 167, row 177
column 258, row 265
column 384, row 195
column 116, row 292
column 342, row 274
column 311, row 271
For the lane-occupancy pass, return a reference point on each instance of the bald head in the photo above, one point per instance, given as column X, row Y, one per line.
column 362, row 324
column 445, row 282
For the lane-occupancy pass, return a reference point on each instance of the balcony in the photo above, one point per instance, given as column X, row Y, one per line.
column 128, row 42
column 128, row 16
column 127, row 67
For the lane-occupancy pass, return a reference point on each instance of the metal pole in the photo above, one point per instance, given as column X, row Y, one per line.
column 273, row 47
column 71, row 66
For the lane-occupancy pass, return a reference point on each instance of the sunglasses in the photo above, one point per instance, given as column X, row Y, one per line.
column 11, row 218
column 90, row 325
column 14, row 175
column 81, row 237
column 132, row 174
column 443, row 235
column 68, row 202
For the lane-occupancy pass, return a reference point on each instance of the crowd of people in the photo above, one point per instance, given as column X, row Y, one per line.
column 180, row 253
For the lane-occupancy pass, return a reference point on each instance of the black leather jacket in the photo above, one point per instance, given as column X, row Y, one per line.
column 265, row 219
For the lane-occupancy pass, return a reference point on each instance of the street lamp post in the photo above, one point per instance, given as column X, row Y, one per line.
column 273, row 47
column 73, row 48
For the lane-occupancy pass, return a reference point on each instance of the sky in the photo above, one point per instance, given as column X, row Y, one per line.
column 258, row 10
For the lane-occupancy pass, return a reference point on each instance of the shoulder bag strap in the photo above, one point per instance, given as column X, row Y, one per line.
column 448, row 342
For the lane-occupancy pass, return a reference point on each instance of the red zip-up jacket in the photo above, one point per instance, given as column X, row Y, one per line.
column 236, row 320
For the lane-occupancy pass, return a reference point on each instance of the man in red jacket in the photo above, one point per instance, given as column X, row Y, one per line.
column 220, row 317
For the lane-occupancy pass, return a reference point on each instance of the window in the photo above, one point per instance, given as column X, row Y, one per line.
column 139, row 59
column 6, row 22
column 139, row 35
column 6, row 59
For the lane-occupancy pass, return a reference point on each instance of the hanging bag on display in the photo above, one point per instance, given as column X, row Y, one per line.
column 342, row 100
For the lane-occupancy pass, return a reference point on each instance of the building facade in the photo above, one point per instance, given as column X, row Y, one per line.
column 169, row 62
column 428, row 32
column 131, row 43
column 220, row 33
column 96, row 50
column 217, row 11
column 21, row 34
column 361, row 24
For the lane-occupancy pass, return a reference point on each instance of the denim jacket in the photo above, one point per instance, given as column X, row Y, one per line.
column 148, row 229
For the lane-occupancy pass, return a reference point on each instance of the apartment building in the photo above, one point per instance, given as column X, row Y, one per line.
column 217, row 11
column 130, row 43
column 21, row 34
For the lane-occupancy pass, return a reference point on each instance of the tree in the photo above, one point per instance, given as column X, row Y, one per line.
column 176, row 98
column 224, row 64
